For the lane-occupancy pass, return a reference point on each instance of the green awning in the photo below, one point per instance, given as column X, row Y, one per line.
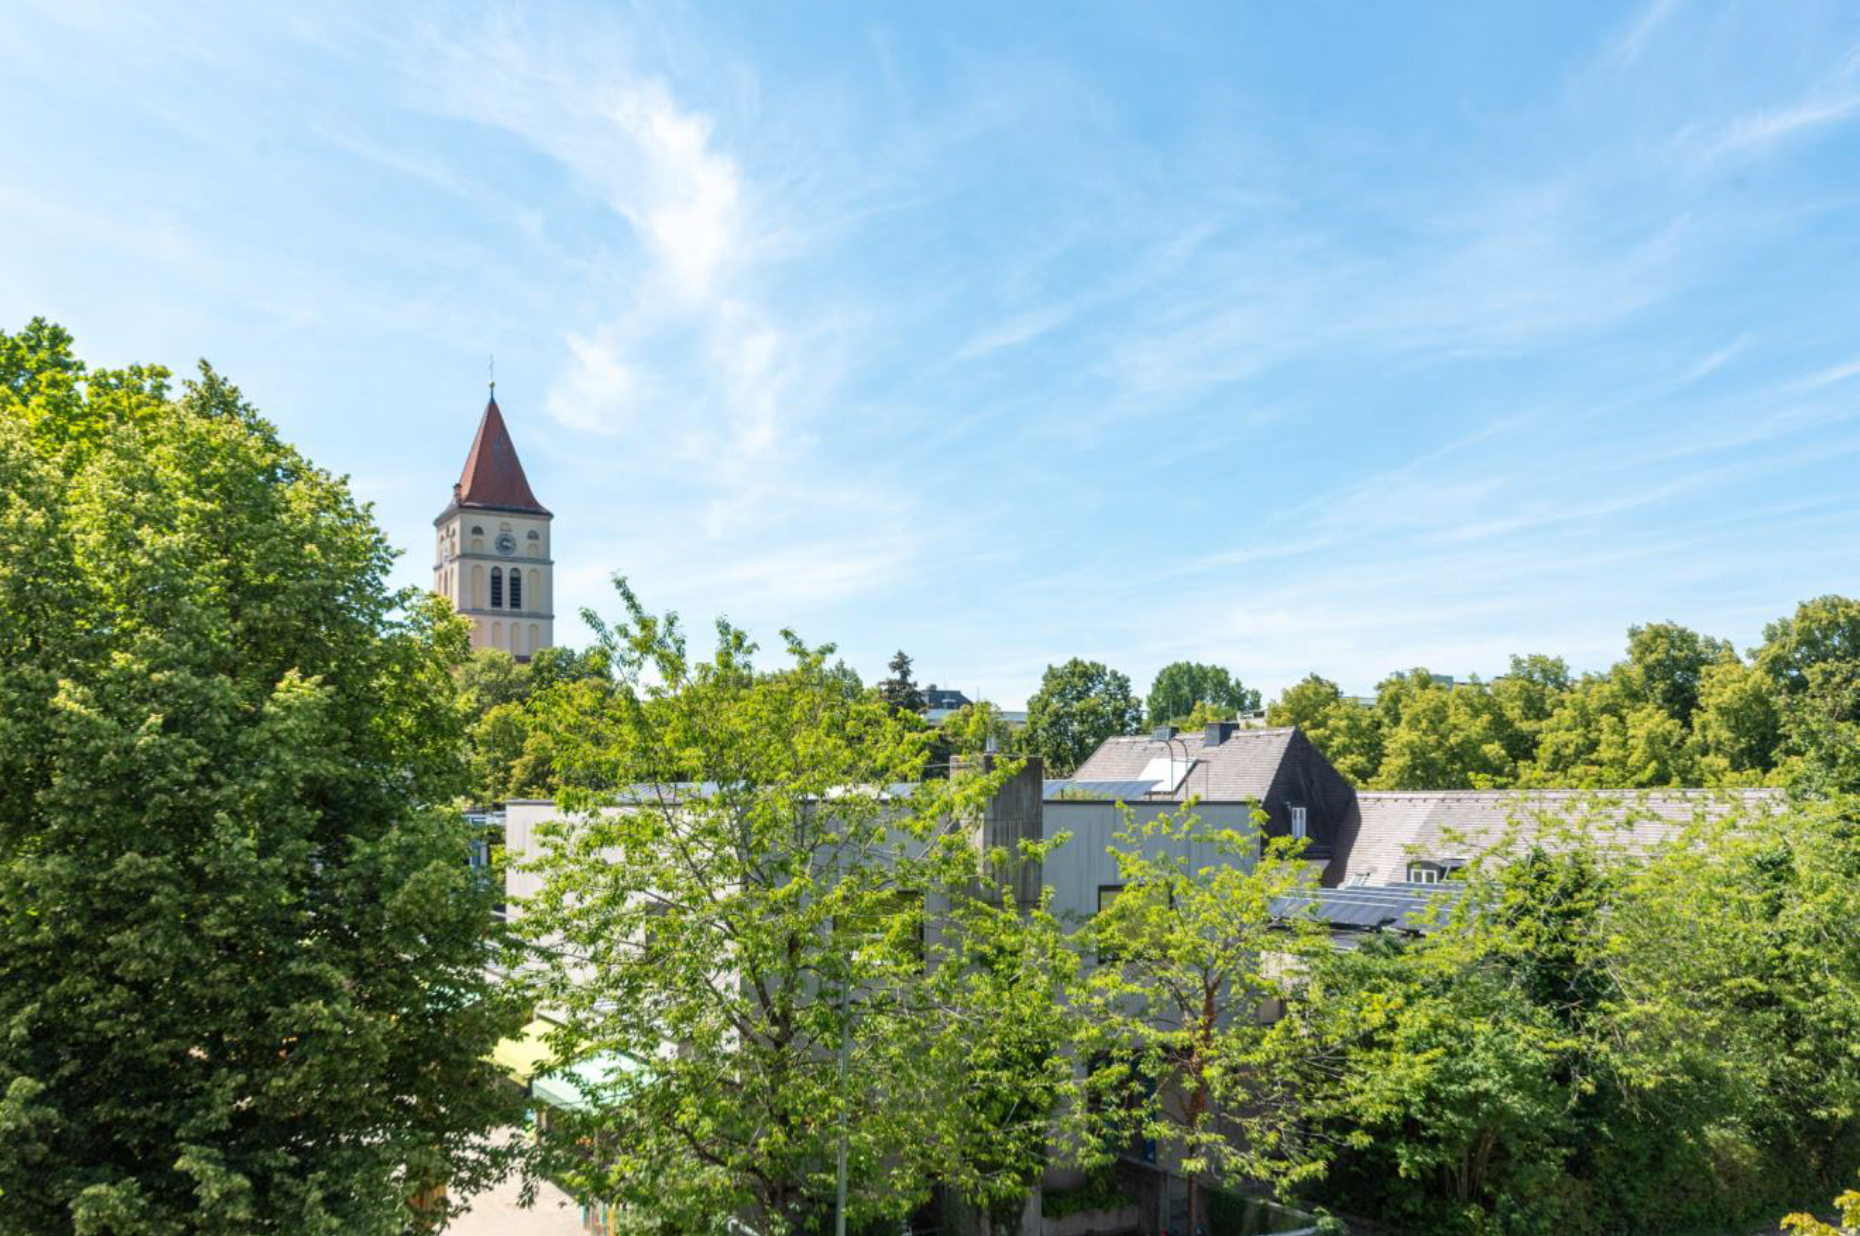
column 563, row 1088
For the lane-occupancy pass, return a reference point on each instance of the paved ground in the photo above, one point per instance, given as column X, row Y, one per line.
column 497, row 1213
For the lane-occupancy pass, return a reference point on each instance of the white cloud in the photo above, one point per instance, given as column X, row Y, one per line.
column 1835, row 99
column 1713, row 361
column 1833, row 374
column 1626, row 49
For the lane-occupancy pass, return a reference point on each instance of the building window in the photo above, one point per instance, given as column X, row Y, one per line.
column 477, row 529
column 497, row 587
column 1107, row 893
column 1299, row 825
column 1423, row 873
column 516, row 590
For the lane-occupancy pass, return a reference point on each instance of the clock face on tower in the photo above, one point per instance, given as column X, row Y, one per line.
column 506, row 544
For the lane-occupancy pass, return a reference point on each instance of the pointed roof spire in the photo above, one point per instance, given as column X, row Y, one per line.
column 493, row 476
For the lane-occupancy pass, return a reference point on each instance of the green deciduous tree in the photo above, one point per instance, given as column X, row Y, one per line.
column 1196, row 943
column 1603, row 1040
column 242, row 975
column 1349, row 735
column 970, row 730
column 1444, row 737
column 1813, row 657
column 1183, row 686
column 1079, row 705
column 1666, row 664
column 1738, row 726
column 783, row 935
column 509, row 758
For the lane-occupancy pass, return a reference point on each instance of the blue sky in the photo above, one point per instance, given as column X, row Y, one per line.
column 1323, row 336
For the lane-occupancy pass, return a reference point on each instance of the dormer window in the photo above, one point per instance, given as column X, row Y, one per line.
column 1300, row 823
column 1423, row 873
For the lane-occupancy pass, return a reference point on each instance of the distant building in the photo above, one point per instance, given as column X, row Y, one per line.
column 940, row 704
column 1367, row 837
column 492, row 555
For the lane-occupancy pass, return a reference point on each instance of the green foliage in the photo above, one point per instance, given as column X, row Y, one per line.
column 1102, row 1190
column 739, row 891
column 970, row 731
column 1438, row 737
column 1191, row 950
column 1188, row 689
column 242, row 984
column 1349, row 736
column 1079, row 705
column 509, row 756
column 1598, row 1043
column 1848, row 1204
column 1681, row 709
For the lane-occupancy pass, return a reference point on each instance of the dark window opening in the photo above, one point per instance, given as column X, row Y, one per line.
column 497, row 588
column 516, row 590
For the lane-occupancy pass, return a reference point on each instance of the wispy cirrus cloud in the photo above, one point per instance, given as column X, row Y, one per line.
column 1625, row 49
column 1832, row 101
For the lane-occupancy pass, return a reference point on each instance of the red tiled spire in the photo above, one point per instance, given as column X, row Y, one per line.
column 493, row 476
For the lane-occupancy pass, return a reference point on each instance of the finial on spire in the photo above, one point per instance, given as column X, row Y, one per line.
column 491, row 373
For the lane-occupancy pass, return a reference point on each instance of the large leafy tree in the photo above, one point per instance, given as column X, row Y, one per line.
column 1079, row 705
column 1180, row 687
column 509, row 757
column 1594, row 1037
column 1199, row 940
column 1813, row 658
column 1437, row 736
column 1350, row 736
column 242, row 975
column 771, row 933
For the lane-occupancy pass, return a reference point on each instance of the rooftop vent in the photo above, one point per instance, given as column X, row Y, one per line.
column 1162, row 733
column 1218, row 732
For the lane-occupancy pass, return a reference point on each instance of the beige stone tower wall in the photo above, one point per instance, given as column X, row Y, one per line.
column 472, row 569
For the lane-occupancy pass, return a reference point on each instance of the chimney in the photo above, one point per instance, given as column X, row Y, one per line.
column 1162, row 733
column 1015, row 814
column 1218, row 732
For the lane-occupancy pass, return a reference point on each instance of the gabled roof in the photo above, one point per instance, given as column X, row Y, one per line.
column 1238, row 770
column 493, row 477
column 1387, row 829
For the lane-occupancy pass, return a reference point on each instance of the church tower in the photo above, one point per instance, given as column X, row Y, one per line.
column 493, row 559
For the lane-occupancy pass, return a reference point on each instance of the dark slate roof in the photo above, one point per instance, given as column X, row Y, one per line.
column 1418, row 908
column 1390, row 828
column 1238, row 770
column 493, row 477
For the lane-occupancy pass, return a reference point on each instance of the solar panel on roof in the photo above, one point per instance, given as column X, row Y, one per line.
column 1365, row 908
column 1110, row 791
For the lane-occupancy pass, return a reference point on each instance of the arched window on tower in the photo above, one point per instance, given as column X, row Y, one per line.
column 516, row 589
column 497, row 587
